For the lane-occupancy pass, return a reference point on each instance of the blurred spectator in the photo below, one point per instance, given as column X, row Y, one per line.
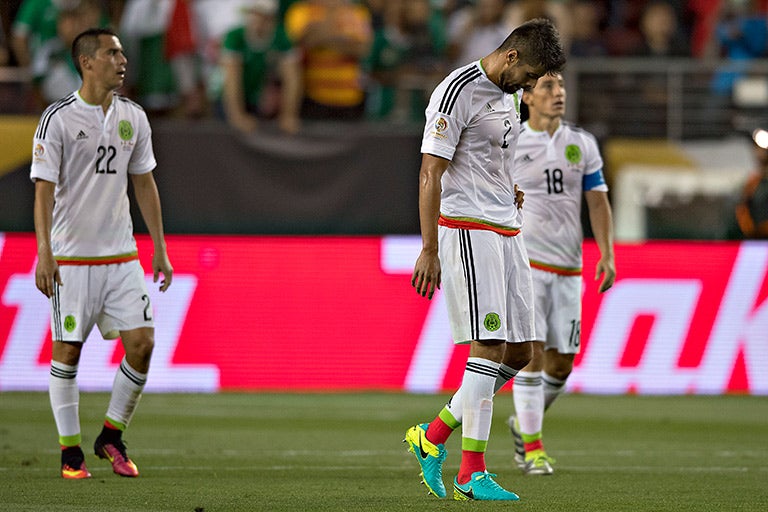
column 741, row 35
column 520, row 11
column 407, row 59
column 587, row 39
column 54, row 74
column 158, row 38
column 476, row 30
column 660, row 31
column 261, row 73
column 704, row 15
column 35, row 23
column 752, row 209
column 335, row 38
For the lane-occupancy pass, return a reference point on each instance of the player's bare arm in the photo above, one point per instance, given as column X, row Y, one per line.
column 426, row 272
column 47, row 270
column 601, row 220
column 148, row 199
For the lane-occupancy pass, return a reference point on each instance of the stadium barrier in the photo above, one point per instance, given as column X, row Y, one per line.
column 301, row 313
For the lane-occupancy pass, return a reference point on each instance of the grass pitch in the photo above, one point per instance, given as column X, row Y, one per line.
column 343, row 452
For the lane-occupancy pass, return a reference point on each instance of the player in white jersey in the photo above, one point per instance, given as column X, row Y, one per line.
column 556, row 164
column 470, row 228
column 86, row 147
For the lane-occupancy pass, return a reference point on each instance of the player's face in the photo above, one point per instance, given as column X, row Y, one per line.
column 548, row 97
column 518, row 74
column 109, row 62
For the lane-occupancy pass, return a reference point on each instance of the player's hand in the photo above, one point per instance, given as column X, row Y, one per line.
column 426, row 274
column 607, row 269
column 46, row 273
column 519, row 198
column 161, row 263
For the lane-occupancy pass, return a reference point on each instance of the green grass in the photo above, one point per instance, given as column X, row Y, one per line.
column 343, row 452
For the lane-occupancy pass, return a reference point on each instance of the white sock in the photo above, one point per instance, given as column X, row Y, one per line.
column 506, row 373
column 552, row 388
column 477, row 389
column 126, row 392
column 529, row 402
column 65, row 402
column 456, row 404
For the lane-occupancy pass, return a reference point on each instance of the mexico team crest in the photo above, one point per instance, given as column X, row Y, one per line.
column 573, row 153
column 492, row 322
column 125, row 129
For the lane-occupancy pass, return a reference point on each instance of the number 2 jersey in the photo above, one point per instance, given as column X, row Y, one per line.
column 554, row 172
column 89, row 154
column 475, row 125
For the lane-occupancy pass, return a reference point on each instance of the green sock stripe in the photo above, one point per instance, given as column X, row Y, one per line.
column 448, row 418
column 73, row 440
column 473, row 445
column 531, row 438
column 116, row 424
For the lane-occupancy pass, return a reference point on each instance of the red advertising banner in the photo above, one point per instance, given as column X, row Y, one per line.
column 338, row 313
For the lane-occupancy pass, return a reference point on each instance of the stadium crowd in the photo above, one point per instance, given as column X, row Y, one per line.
column 243, row 60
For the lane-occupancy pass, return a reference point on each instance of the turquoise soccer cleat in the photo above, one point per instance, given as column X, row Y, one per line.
column 482, row 486
column 430, row 456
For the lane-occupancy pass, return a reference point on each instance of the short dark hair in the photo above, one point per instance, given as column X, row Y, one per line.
column 537, row 42
column 86, row 43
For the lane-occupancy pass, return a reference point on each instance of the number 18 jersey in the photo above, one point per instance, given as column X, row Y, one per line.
column 89, row 154
column 554, row 172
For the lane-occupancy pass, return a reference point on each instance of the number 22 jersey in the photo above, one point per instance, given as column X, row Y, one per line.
column 89, row 154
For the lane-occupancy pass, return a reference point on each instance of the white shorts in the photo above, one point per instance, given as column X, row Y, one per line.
column 486, row 282
column 114, row 297
column 558, row 310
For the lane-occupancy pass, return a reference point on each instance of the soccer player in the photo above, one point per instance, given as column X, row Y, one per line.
column 556, row 164
column 85, row 148
column 469, row 210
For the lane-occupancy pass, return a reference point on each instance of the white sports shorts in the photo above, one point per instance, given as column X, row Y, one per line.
column 486, row 282
column 558, row 310
column 114, row 297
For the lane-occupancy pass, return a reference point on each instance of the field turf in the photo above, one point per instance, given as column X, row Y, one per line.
column 343, row 452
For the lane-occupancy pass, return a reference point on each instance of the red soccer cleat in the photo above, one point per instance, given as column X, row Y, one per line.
column 114, row 452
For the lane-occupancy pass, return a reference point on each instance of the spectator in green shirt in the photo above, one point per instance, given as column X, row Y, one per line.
column 261, row 71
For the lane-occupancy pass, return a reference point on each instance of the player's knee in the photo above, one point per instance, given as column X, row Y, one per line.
column 518, row 355
column 140, row 348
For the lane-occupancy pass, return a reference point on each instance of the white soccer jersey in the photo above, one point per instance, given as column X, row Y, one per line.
column 554, row 172
column 88, row 155
column 475, row 125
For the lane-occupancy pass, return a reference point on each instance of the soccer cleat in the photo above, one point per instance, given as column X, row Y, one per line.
column 538, row 464
column 519, row 445
column 482, row 486
column 430, row 456
column 114, row 452
column 73, row 464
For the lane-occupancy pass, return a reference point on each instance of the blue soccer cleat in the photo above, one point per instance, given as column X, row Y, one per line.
column 481, row 486
column 430, row 456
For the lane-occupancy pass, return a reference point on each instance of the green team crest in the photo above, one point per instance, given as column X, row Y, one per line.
column 125, row 129
column 573, row 153
column 492, row 322
column 69, row 323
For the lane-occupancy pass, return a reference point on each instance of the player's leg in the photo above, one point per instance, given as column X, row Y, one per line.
column 564, row 340
column 556, row 370
column 70, row 324
column 130, row 379
column 527, row 424
column 130, row 312
column 65, row 402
